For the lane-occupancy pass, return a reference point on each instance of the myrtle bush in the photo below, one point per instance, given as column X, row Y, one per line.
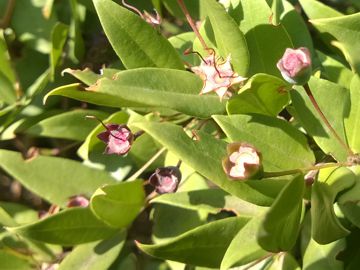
column 180, row 134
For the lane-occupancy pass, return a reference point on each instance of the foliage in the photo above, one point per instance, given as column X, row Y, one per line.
column 74, row 71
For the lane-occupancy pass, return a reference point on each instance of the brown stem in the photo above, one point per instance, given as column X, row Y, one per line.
column 322, row 116
column 191, row 23
column 5, row 21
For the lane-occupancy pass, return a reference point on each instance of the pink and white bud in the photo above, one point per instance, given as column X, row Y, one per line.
column 243, row 161
column 295, row 66
column 166, row 179
column 77, row 201
column 118, row 139
column 217, row 77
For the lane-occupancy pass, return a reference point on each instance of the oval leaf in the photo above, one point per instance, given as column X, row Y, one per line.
column 139, row 45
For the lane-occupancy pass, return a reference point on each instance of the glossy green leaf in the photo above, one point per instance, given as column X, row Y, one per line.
column 58, row 39
column 95, row 256
column 323, row 257
column 266, row 43
column 149, row 87
column 352, row 121
column 183, row 42
column 205, row 156
column 281, row 224
column 346, row 29
column 196, row 247
column 118, row 205
column 69, row 227
column 171, row 221
column 282, row 146
column 45, row 176
column 284, row 261
column 263, row 94
column 326, row 227
column 6, row 219
column 11, row 261
column 210, row 200
column 296, row 27
column 334, row 109
column 277, row 8
column 68, row 125
column 21, row 214
column 229, row 40
column 5, row 63
column 89, row 77
column 148, row 49
column 335, row 71
column 7, row 93
column 244, row 247
column 316, row 10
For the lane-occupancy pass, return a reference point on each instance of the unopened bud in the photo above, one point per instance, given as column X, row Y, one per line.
column 295, row 66
column 243, row 162
column 166, row 179
column 77, row 201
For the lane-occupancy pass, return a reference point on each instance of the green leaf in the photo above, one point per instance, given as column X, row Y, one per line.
column 68, row 125
column 244, row 247
column 323, row 257
column 139, row 45
column 205, row 156
column 6, row 219
column 277, row 8
column 229, row 40
column 118, row 205
column 334, row 109
column 148, row 87
column 20, row 213
column 69, row 227
column 210, row 200
column 346, row 29
column 352, row 124
column 326, row 227
column 317, row 10
column 11, row 261
column 281, row 224
column 5, row 61
column 266, row 43
column 264, row 94
column 284, row 261
column 7, row 94
column 58, row 39
column 335, row 71
column 45, row 176
column 196, row 247
column 95, row 256
column 89, row 77
column 283, row 147
column 296, row 28
column 181, row 43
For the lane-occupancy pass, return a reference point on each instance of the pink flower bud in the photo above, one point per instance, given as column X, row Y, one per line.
column 166, row 179
column 118, row 139
column 295, row 66
column 243, row 162
column 77, row 201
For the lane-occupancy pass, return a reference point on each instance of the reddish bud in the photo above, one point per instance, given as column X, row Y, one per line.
column 118, row 139
column 166, row 179
column 77, row 201
column 243, row 162
column 295, row 66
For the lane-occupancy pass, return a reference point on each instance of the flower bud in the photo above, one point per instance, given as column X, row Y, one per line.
column 243, row 162
column 77, row 201
column 166, row 179
column 295, row 66
column 118, row 139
